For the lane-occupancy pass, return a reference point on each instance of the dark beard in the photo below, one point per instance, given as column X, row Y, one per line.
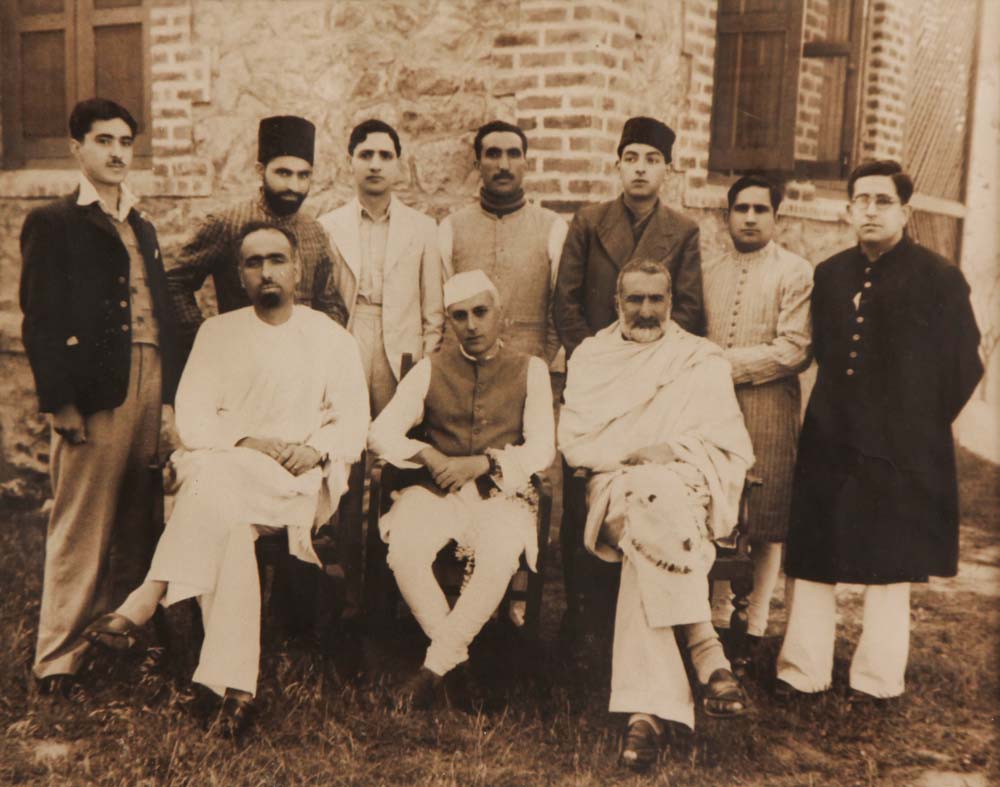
column 282, row 207
column 270, row 300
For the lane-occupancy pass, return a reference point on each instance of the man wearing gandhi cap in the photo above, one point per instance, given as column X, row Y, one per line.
column 285, row 150
column 488, row 425
column 602, row 239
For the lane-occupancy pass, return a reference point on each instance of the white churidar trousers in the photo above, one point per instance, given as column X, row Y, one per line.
column 879, row 663
column 419, row 524
column 647, row 673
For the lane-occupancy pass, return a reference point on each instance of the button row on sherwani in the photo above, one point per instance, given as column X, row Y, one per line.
column 859, row 319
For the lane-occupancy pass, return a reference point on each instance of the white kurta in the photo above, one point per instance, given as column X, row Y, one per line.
column 300, row 381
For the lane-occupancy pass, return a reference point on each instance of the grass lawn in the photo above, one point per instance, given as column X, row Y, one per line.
column 542, row 716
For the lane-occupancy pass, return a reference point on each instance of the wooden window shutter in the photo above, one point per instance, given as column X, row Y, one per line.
column 758, row 48
column 38, row 92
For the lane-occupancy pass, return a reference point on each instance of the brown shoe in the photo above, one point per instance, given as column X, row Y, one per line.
column 421, row 690
column 236, row 714
column 723, row 697
column 112, row 631
column 641, row 746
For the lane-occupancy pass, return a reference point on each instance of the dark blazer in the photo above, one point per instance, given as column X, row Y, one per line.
column 599, row 243
column 76, row 332
column 875, row 496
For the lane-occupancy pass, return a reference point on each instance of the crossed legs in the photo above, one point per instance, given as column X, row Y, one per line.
column 418, row 526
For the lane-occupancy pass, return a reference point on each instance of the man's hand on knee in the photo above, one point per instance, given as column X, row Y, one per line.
column 298, row 458
column 271, row 446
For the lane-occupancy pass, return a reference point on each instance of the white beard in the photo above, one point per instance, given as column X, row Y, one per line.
column 643, row 335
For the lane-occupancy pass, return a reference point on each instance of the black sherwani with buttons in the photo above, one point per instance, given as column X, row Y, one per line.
column 875, row 497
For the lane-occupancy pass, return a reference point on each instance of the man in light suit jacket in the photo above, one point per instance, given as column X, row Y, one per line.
column 391, row 276
column 602, row 239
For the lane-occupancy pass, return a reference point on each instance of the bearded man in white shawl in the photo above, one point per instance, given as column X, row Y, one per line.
column 272, row 410
column 650, row 409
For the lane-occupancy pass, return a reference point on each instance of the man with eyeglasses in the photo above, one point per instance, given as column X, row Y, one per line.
column 875, row 497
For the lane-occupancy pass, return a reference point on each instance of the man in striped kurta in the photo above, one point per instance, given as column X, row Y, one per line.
column 285, row 149
column 757, row 306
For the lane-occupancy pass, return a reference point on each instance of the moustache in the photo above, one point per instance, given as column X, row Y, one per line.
column 646, row 322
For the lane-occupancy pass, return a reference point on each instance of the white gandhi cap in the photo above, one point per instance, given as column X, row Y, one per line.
column 466, row 284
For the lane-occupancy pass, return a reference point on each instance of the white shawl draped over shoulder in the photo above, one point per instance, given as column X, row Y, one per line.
column 623, row 395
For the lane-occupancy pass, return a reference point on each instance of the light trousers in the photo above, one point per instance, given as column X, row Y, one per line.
column 766, row 557
column 366, row 327
column 647, row 671
column 418, row 526
column 879, row 663
column 101, row 532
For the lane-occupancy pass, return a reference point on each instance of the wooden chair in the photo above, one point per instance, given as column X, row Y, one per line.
column 382, row 599
column 302, row 596
column 731, row 563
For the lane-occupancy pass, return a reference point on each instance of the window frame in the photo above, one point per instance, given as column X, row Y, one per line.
column 728, row 160
column 79, row 20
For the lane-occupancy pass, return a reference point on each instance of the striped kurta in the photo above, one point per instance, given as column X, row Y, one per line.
column 757, row 307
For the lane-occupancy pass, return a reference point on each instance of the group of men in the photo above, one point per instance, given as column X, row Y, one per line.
column 681, row 377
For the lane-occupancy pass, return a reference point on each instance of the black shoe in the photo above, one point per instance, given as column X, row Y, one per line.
column 786, row 692
column 236, row 714
column 421, row 690
column 63, row 686
column 860, row 699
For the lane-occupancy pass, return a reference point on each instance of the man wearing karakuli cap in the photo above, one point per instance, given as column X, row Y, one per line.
column 285, row 151
column 488, row 425
column 602, row 239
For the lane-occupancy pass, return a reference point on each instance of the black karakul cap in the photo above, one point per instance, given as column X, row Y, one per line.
column 647, row 131
column 285, row 135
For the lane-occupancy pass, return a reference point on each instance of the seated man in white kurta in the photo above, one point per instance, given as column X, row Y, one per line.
column 487, row 418
column 272, row 410
column 650, row 409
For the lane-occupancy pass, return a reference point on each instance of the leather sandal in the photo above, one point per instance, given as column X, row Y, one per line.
column 641, row 746
column 112, row 631
column 724, row 697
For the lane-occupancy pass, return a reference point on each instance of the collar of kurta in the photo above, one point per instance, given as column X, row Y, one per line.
column 486, row 358
column 758, row 255
column 88, row 196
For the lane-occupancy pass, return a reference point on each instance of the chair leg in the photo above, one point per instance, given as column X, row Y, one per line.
column 738, row 622
column 533, row 605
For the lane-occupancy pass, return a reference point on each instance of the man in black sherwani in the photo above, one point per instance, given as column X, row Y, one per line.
column 875, row 498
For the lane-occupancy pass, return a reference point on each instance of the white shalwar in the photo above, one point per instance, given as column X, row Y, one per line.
column 496, row 530
column 301, row 382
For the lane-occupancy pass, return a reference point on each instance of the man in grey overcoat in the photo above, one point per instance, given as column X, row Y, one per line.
column 875, row 498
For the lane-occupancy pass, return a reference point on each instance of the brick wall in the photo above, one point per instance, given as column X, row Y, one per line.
column 811, row 78
column 883, row 104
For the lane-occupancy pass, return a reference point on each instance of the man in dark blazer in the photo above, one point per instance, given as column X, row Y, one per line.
column 875, row 497
column 601, row 239
column 101, row 343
